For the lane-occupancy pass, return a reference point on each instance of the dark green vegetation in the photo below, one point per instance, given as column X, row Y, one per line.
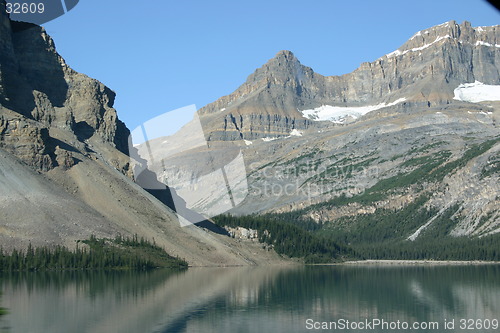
column 369, row 236
column 118, row 253
column 383, row 234
column 289, row 239
column 378, row 236
column 2, row 310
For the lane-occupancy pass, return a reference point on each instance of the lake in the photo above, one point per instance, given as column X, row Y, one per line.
column 255, row 299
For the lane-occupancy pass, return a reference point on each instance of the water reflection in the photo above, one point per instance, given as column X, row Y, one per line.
column 245, row 299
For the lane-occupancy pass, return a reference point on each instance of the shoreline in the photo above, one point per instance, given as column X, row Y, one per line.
column 419, row 262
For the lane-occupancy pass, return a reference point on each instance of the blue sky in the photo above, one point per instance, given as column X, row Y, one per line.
column 160, row 55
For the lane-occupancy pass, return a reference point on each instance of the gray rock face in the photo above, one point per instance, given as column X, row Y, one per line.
column 424, row 71
column 44, row 93
column 28, row 140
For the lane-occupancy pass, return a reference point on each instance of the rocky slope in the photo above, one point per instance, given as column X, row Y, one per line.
column 431, row 133
column 64, row 164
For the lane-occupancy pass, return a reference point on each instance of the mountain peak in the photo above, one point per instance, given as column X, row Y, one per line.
column 284, row 66
column 284, row 54
column 282, row 59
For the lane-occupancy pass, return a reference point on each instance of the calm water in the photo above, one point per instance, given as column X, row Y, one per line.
column 242, row 300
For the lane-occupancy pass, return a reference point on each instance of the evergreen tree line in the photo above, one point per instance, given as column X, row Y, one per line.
column 449, row 248
column 118, row 253
column 3, row 311
column 381, row 235
column 288, row 239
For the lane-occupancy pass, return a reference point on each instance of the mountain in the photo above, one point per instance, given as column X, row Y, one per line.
column 403, row 148
column 422, row 72
column 64, row 167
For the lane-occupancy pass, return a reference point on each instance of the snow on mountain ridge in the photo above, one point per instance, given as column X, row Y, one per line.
column 415, row 49
column 446, row 31
column 480, row 42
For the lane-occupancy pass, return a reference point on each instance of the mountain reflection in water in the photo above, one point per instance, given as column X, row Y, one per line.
column 245, row 299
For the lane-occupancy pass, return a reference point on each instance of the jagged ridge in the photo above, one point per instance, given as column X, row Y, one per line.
column 424, row 71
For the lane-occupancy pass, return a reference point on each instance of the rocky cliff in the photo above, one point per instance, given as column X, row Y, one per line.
column 64, row 164
column 45, row 94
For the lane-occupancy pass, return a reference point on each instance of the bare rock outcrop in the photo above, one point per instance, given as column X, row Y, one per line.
column 44, row 93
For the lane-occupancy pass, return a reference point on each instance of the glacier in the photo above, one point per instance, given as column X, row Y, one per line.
column 477, row 92
column 338, row 114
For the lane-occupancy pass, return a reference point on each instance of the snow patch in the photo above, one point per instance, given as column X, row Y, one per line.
column 338, row 114
column 248, row 142
column 481, row 112
column 480, row 42
column 294, row 132
column 419, row 33
column 477, row 92
column 223, row 109
column 393, row 54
